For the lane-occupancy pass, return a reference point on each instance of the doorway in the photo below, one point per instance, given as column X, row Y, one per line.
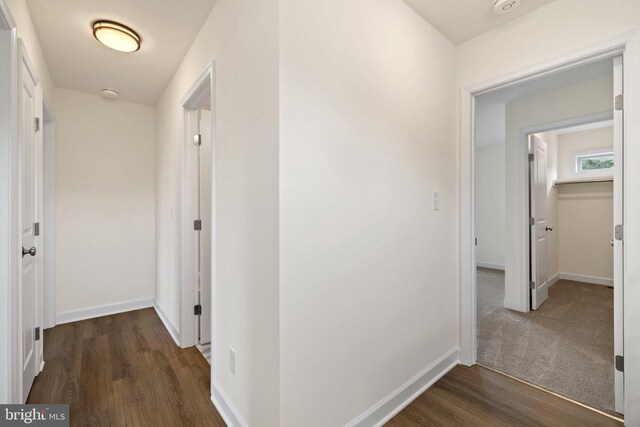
column 198, row 218
column 532, row 322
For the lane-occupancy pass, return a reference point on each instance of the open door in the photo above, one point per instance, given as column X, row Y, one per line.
column 618, row 248
column 204, row 237
column 538, row 221
column 28, row 124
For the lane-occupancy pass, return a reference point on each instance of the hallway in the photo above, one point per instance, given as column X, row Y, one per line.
column 125, row 370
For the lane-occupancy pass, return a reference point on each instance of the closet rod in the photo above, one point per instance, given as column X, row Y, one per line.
column 582, row 181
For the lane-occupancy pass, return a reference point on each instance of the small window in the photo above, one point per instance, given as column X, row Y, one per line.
column 594, row 163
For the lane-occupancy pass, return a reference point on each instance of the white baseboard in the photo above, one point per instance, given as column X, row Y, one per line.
column 103, row 310
column 167, row 324
column 490, row 265
column 586, row 279
column 227, row 411
column 397, row 400
column 553, row 279
column 511, row 305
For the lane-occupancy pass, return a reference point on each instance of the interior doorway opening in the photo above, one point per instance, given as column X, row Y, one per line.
column 559, row 330
column 198, row 215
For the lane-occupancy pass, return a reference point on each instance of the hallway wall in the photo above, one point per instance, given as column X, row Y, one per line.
column 105, row 203
column 26, row 31
column 367, row 290
column 241, row 36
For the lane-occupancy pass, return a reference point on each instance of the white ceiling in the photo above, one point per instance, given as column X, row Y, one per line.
column 77, row 61
column 462, row 20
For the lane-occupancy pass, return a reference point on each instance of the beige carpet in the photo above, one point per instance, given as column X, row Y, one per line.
column 566, row 346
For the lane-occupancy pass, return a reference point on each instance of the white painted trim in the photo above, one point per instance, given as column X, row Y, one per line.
column 490, row 265
column 511, row 305
column 398, row 399
column 103, row 310
column 10, row 380
column 553, row 279
column 205, row 83
column 167, row 323
column 225, row 407
column 627, row 44
column 48, row 218
column 586, row 279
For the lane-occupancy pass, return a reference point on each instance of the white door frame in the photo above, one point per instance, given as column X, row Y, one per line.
column 523, row 240
column 628, row 45
column 10, row 381
column 204, row 84
column 48, row 218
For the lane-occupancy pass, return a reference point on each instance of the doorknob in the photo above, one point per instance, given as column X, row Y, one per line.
column 549, row 228
column 31, row 251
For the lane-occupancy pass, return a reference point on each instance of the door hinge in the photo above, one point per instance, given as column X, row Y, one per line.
column 197, row 139
column 620, row 363
column 532, row 285
column 36, row 229
column 532, row 221
column 197, row 225
column 531, row 157
column 197, row 310
column 38, row 333
column 619, row 232
column 619, row 102
column 37, row 124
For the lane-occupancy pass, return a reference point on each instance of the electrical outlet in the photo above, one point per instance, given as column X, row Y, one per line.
column 232, row 360
column 436, row 201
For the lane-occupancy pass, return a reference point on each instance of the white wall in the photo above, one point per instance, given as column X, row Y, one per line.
column 579, row 100
column 490, row 206
column 367, row 294
column 104, row 201
column 585, row 211
column 26, row 31
column 242, row 37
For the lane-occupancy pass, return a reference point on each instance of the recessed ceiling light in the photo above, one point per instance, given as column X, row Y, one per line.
column 116, row 36
column 110, row 93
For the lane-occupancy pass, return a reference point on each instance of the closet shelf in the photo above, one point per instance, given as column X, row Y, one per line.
column 583, row 180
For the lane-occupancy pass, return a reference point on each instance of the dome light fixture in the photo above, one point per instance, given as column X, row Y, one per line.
column 116, row 36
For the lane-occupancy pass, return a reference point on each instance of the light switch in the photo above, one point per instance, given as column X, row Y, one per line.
column 436, row 201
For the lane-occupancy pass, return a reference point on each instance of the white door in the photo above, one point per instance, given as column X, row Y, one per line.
column 538, row 214
column 27, row 108
column 618, row 284
column 205, row 178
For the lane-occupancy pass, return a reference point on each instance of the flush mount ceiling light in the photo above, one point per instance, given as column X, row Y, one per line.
column 505, row 6
column 116, row 36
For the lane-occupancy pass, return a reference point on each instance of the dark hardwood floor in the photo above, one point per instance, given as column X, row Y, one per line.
column 124, row 370
column 478, row 397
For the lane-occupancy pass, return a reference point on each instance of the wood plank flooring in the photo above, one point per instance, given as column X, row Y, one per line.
column 480, row 397
column 124, row 370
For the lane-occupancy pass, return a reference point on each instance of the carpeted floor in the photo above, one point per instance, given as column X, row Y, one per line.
column 566, row 346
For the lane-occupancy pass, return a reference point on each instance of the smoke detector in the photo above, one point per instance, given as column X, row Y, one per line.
column 502, row 7
column 110, row 93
